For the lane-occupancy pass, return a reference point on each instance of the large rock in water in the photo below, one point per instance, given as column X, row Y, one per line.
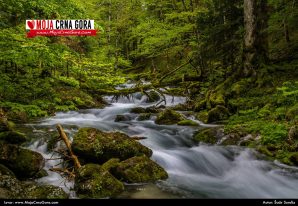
column 13, row 137
column 217, row 114
column 23, row 162
column 12, row 188
column 168, row 117
column 94, row 182
column 97, row 146
column 139, row 169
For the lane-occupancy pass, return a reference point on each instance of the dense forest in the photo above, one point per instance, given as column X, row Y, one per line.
column 234, row 61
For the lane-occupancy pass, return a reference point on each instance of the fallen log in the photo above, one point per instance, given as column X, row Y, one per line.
column 65, row 139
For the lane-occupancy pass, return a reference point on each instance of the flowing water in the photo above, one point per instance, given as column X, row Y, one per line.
column 195, row 171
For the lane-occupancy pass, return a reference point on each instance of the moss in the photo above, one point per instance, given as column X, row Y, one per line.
column 217, row 114
column 143, row 117
column 200, row 105
column 110, row 164
column 202, row 116
column 168, row 117
column 216, row 98
column 293, row 133
column 139, row 169
column 231, row 139
column 188, row 122
column 52, row 142
column 4, row 125
column 97, row 146
column 23, row 162
column 264, row 150
column 94, row 182
column 151, row 109
column 41, row 173
column 153, row 97
column 12, row 188
column 13, row 137
column 292, row 113
column 5, row 171
column 207, row 135
column 294, row 158
column 44, row 192
column 138, row 110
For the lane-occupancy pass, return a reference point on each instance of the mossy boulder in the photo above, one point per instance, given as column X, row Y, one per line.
column 208, row 135
column 35, row 191
column 13, row 137
column 97, row 146
column 4, row 125
column 293, row 133
column 139, row 169
column 231, row 139
column 5, row 171
column 294, row 158
column 12, row 188
column 188, row 122
column 151, row 109
column 92, row 181
column 202, row 116
column 153, row 97
column 217, row 114
column 121, row 118
column 215, row 99
column 110, row 164
column 143, row 117
column 200, row 105
column 168, row 117
column 138, row 110
column 23, row 162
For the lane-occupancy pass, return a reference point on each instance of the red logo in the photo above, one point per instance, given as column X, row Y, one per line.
column 31, row 24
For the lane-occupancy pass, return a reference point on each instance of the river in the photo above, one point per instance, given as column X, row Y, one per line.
column 195, row 171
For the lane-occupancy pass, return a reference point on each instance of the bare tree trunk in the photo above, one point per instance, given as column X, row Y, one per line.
column 68, row 145
column 250, row 37
column 255, row 49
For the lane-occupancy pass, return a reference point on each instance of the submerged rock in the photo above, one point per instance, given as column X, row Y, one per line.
column 139, row 169
column 207, row 135
column 94, row 182
column 168, row 117
column 13, row 137
column 153, row 97
column 97, row 146
column 217, row 114
column 187, row 122
column 143, row 117
column 121, row 118
column 23, row 162
column 138, row 110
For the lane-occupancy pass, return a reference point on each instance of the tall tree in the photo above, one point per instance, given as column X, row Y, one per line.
column 255, row 38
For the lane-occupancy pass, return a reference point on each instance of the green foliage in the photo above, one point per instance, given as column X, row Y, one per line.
column 70, row 81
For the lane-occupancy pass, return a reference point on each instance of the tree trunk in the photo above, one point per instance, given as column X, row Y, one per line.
column 255, row 49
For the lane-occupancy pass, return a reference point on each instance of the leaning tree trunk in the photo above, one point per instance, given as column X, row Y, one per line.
column 255, row 39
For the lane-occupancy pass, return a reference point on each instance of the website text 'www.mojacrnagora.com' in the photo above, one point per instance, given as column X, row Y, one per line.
column 30, row 202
